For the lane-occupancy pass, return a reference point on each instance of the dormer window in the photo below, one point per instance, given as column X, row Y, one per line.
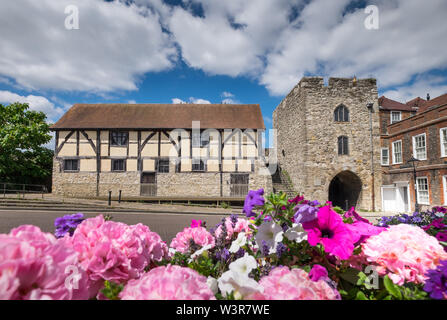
column 341, row 114
column 396, row 116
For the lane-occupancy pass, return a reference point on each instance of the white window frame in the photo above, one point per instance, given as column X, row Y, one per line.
column 425, row 146
column 443, row 143
column 428, row 191
column 444, row 183
column 388, row 157
column 395, row 112
column 401, row 152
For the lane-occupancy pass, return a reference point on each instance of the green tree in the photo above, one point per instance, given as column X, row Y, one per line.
column 23, row 159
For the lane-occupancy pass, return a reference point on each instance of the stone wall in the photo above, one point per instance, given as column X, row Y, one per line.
column 307, row 136
column 172, row 184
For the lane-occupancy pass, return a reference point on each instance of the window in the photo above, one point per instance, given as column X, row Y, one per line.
column 444, row 182
column 343, row 146
column 397, row 152
column 419, row 147
column 71, row 165
column 118, row 165
column 443, row 134
column 198, row 165
column 163, row 166
column 385, row 157
column 396, row 116
column 422, row 188
column 199, row 140
column 119, row 138
column 341, row 114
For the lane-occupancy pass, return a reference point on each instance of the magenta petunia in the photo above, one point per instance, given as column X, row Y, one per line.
column 362, row 231
column 318, row 272
column 355, row 216
column 330, row 231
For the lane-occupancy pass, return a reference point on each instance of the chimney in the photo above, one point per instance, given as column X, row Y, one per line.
column 428, row 96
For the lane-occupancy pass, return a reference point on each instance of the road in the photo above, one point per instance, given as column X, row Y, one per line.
column 166, row 225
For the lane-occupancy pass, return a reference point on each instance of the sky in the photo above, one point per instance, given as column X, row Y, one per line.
column 55, row 53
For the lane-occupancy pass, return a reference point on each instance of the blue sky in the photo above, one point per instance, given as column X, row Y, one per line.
column 237, row 51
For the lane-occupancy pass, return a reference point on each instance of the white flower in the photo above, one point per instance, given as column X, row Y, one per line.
column 212, row 284
column 296, row 233
column 199, row 252
column 241, row 285
column 271, row 233
column 244, row 265
column 238, row 243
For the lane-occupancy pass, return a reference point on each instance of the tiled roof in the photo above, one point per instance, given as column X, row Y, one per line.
column 164, row 116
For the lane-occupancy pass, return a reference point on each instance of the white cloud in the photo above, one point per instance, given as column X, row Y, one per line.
column 37, row 103
column 409, row 42
column 191, row 100
column 435, row 86
column 226, row 94
column 115, row 44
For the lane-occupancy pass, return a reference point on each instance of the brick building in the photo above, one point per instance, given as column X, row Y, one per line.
column 160, row 151
column 423, row 136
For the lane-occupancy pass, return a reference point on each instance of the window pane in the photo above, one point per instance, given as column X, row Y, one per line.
column 118, row 165
column 163, row 166
column 397, row 150
column 419, row 145
column 422, row 187
column 385, row 157
column 119, row 138
column 71, row 165
column 444, row 142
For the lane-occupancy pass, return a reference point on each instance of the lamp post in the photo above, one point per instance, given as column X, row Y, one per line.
column 413, row 160
column 370, row 107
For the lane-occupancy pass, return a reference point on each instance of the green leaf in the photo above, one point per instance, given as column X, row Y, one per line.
column 392, row 288
column 360, row 296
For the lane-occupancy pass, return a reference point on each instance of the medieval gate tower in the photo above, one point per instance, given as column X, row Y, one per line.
column 329, row 141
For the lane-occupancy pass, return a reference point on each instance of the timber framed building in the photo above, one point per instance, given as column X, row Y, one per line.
column 160, row 151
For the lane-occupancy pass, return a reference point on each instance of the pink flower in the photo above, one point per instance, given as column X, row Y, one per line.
column 168, row 283
column 196, row 223
column 242, row 225
column 355, row 216
column 330, row 231
column 362, row 231
column 34, row 265
column 294, row 284
column 403, row 252
column 115, row 251
column 317, row 272
column 199, row 235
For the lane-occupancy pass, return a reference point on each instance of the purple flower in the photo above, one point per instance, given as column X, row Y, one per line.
column 317, row 272
column 436, row 284
column 254, row 198
column 67, row 224
column 280, row 249
column 265, row 248
column 267, row 218
column 305, row 213
column 223, row 254
column 314, row 203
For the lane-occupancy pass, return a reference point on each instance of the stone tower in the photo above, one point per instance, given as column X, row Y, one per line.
column 329, row 141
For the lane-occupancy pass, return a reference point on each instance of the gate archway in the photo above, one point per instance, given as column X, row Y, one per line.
column 344, row 190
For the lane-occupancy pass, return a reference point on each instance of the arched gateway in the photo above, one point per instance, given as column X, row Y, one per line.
column 344, row 190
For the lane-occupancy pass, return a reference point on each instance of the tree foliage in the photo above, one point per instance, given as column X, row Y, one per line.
column 23, row 159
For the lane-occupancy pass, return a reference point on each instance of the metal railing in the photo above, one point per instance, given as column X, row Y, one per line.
column 188, row 189
column 22, row 189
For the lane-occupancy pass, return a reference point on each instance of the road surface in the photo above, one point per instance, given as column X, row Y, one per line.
column 166, row 225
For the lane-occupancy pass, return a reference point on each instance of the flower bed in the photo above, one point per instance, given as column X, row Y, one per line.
column 278, row 249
